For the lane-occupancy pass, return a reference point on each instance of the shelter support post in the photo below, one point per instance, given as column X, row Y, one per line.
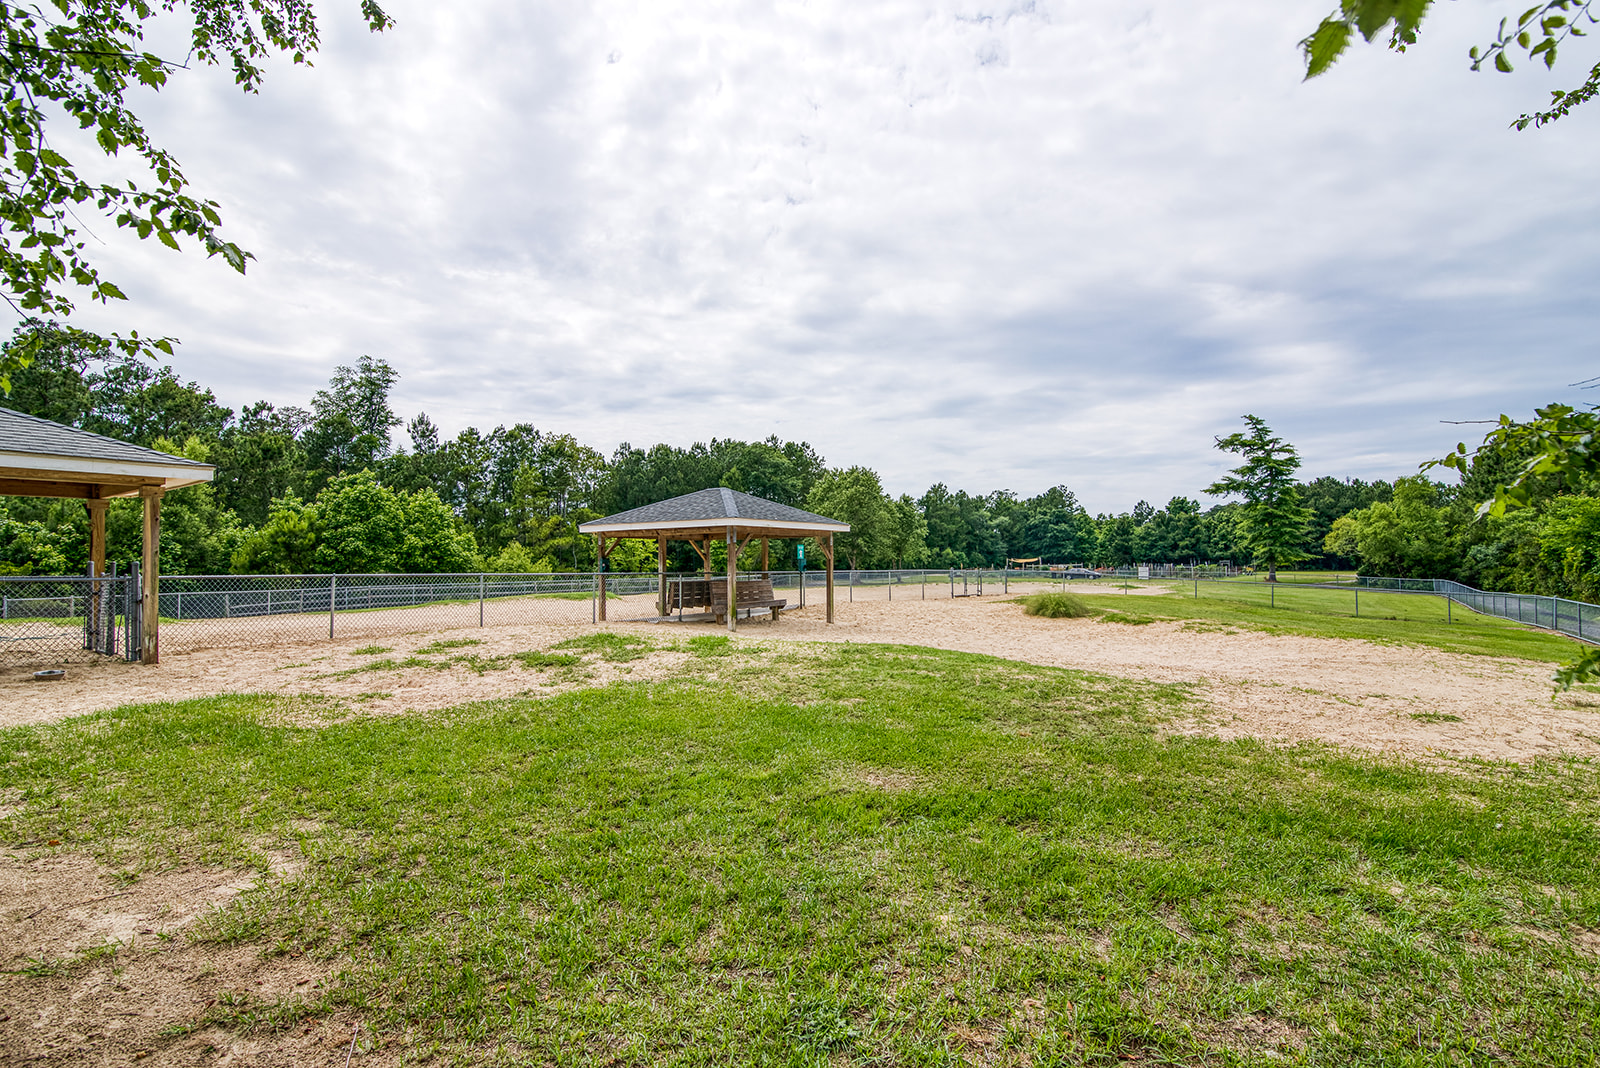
column 600, row 568
column 661, row 575
column 766, row 570
column 150, row 577
column 97, row 566
column 732, row 541
column 828, row 551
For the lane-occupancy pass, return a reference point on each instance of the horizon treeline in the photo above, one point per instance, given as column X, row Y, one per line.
column 344, row 484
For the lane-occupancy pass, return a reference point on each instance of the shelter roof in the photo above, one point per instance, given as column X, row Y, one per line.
column 714, row 510
column 44, row 458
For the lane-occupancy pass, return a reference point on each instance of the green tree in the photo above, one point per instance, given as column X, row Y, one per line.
column 131, row 401
column 905, row 538
column 434, row 541
column 855, row 496
column 363, row 525
column 1272, row 522
column 285, row 545
column 1539, row 32
column 53, row 385
column 1408, row 537
column 80, row 59
column 351, row 419
column 30, row 548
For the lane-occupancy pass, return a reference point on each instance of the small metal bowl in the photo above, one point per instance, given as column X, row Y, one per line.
column 52, row 675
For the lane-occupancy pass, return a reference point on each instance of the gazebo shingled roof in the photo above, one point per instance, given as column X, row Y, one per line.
column 729, row 515
column 41, row 458
column 713, row 509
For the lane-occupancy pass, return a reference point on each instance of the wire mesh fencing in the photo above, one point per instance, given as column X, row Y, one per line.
column 1578, row 619
column 63, row 619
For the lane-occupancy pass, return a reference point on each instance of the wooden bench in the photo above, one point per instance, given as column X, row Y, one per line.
column 751, row 594
column 712, row 594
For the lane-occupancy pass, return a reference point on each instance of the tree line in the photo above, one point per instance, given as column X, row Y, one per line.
column 344, row 484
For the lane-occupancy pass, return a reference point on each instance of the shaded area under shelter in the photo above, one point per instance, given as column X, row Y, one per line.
column 41, row 458
column 709, row 515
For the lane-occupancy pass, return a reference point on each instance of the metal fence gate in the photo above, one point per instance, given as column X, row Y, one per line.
column 56, row 618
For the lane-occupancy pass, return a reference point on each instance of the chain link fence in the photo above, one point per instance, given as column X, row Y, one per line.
column 60, row 619
column 1577, row 619
column 72, row 618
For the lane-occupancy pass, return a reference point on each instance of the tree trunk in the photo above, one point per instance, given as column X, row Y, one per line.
column 1272, row 571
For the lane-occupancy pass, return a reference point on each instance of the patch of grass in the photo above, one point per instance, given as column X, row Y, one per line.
column 877, row 855
column 1406, row 619
column 374, row 695
column 1059, row 605
column 541, row 661
column 1435, row 717
column 371, row 650
column 613, row 647
column 710, row 645
column 445, row 645
column 1127, row 619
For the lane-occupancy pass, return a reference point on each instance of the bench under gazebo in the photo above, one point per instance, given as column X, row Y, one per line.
column 41, row 458
column 724, row 515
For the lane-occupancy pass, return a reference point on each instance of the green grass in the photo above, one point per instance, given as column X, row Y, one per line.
column 1398, row 618
column 617, row 648
column 1057, row 605
column 372, row 650
column 858, row 855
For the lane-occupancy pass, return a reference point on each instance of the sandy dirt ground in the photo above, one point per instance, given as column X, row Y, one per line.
column 1403, row 700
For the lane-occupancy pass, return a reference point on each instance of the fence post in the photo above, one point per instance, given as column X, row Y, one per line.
column 333, row 599
column 952, row 583
column 1358, row 604
column 1447, row 612
column 480, row 599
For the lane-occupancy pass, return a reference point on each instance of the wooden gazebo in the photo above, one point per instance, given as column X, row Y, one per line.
column 40, row 458
column 730, row 516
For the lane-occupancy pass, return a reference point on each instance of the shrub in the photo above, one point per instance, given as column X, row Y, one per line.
column 1057, row 606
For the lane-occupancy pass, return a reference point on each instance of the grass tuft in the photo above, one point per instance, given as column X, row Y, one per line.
column 1057, row 606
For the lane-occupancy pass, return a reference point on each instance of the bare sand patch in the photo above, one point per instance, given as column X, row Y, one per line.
column 1400, row 699
column 97, row 970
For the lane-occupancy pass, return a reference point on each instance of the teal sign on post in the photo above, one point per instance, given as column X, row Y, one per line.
column 802, row 558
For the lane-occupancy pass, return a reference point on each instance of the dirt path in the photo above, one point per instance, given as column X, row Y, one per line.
column 1400, row 699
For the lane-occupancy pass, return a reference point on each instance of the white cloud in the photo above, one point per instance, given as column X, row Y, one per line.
column 1002, row 245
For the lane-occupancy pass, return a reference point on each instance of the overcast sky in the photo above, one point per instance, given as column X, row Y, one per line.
column 998, row 246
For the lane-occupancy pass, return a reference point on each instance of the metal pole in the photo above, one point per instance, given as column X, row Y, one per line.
column 480, row 600
column 1447, row 614
column 1358, row 604
column 333, row 590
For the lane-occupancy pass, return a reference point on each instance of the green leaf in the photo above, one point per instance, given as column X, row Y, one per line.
column 1502, row 63
column 1325, row 46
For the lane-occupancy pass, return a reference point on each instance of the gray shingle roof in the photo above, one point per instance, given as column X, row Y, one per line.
column 42, row 437
column 714, row 507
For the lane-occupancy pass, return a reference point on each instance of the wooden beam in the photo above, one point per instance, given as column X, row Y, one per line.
column 661, row 575
column 827, row 550
column 97, row 567
column 150, row 578
column 732, row 543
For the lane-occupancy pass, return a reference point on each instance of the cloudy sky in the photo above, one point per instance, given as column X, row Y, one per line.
column 995, row 245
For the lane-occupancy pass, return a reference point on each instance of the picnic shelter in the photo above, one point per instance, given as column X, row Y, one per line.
column 722, row 514
column 42, row 458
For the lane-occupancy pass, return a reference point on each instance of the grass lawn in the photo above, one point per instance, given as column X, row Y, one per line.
column 1400, row 618
column 882, row 855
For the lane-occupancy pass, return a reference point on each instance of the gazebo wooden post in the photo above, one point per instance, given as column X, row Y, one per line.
column 828, row 551
column 766, row 571
column 732, row 538
column 97, row 565
column 150, row 610
column 600, row 571
column 661, row 575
